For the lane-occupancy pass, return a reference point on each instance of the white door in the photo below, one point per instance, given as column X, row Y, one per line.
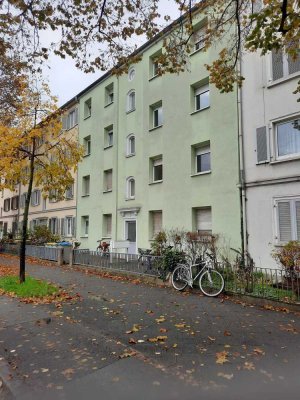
column 130, row 235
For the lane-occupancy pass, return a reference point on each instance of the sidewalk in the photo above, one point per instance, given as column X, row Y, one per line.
column 207, row 346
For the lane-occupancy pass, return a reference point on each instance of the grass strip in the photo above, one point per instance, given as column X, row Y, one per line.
column 30, row 288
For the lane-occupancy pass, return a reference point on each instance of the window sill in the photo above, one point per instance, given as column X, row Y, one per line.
column 106, row 237
column 109, row 104
column 197, row 111
column 86, row 155
column 155, row 182
column 84, row 237
column 130, row 155
column 129, row 198
column 107, row 147
column 69, row 198
column 282, row 80
column 201, row 173
column 288, row 159
column 130, row 111
column 107, row 191
column 196, row 51
column 87, row 117
column 85, row 195
column 156, row 127
column 153, row 77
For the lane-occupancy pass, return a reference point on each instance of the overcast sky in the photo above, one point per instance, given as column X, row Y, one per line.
column 66, row 80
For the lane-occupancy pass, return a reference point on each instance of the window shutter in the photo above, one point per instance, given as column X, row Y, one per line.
column 204, row 220
column 62, row 227
column 74, row 227
column 284, row 221
column 57, row 226
column 64, row 121
column 294, row 65
column 297, row 206
column 157, row 222
column 76, row 116
column 262, row 144
column 277, row 64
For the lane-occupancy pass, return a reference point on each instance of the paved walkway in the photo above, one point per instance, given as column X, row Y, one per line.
column 127, row 340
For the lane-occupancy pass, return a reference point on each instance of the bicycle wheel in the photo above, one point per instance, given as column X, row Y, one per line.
column 211, row 283
column 180, row 277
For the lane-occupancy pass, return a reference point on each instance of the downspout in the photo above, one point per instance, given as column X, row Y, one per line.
column 117, row 157
column 242, row 177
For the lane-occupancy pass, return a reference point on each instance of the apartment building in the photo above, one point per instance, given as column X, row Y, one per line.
column 58, row 215
column 161, row 153
column 271, row 130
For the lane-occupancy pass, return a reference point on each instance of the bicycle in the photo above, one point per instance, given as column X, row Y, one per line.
column 211, row 282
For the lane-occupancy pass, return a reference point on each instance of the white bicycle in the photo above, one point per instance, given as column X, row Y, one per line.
column 211, row 282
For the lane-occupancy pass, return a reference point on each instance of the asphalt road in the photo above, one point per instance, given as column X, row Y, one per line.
column 127, row 340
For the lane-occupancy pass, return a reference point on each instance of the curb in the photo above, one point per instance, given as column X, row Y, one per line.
column 11, row 384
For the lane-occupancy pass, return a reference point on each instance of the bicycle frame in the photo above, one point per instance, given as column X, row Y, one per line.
column 191, row 279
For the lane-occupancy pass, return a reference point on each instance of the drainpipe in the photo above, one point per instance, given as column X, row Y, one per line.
column 117, row 156
column 242, row 177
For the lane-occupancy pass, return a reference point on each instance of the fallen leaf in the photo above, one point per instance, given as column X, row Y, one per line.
column 163, row 330
column 222, row 357
column 227, row 333
column 226, row 376
column 132, row 341
column 180, row 325
column 68, row 373
column 152, row 340
column 249, row 366
column 162, row 338
column 160, row 319
column 259, row 351
column 212, row 339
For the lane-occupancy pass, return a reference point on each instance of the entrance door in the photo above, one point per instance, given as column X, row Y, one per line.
column 130, row 234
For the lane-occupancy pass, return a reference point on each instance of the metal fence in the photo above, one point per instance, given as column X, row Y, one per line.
column 266, row 283
column 147, row 265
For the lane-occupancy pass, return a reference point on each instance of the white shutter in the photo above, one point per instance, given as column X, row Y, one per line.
column 284, row 221
column 294, row 65
column 277, row 64
column 157, row 222
column 297, row 206
column 62, row 227
column 203, row 220
column 262, row 144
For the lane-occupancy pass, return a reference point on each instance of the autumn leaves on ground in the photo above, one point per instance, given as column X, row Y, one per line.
column 121, row 337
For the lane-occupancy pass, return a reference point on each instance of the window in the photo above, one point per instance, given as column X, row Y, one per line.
column 156, row 115
column 87, row 111
column 131, row 74
column 15, row 203
column 199, row 38
column 6, row 205
column 283, row 65
column 130, row 188
column 35, row 198
column 157, row 169
column 130, row 151
column 109, row 94
column 22, row 200
column 107, row 225
column 202, row 97
column 108, row 136
column 69, row 192
column 44, row 204
column 256, row 6
column 87, row 145
column 70, row 120
column 53, row 225
column 155, row 64
column 52, row 196
column 85, row 226
column 86, row 185
column 131, row 101
column 202, row 159
column 288, row 138
column 203, row 220
column 70, row 224
column 155, row 223
column 288, row 219
column 107, row 181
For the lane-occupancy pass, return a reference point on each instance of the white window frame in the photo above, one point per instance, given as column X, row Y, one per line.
column 275, row 135
column 106, row 173
column 85, row 225
column 208, row 223
column 109, row 94
column 87, row 108
column 200, row 91
column 131, row 101
column 86, row 181
column 109, row 137
column 69, row 226
column 199, row 38
column 69, row 194
column 201, row 151
column 131, row 74
column 156, row 162
column 129, row 151
column 154, row 231
column 292, row 200
column 129, row 181
column 23, row 199
column 105, row 231
column 159, row 111
column 87, row 143
column 285, row 66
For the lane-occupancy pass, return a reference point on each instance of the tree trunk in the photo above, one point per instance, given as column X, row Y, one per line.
column 25, row 219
